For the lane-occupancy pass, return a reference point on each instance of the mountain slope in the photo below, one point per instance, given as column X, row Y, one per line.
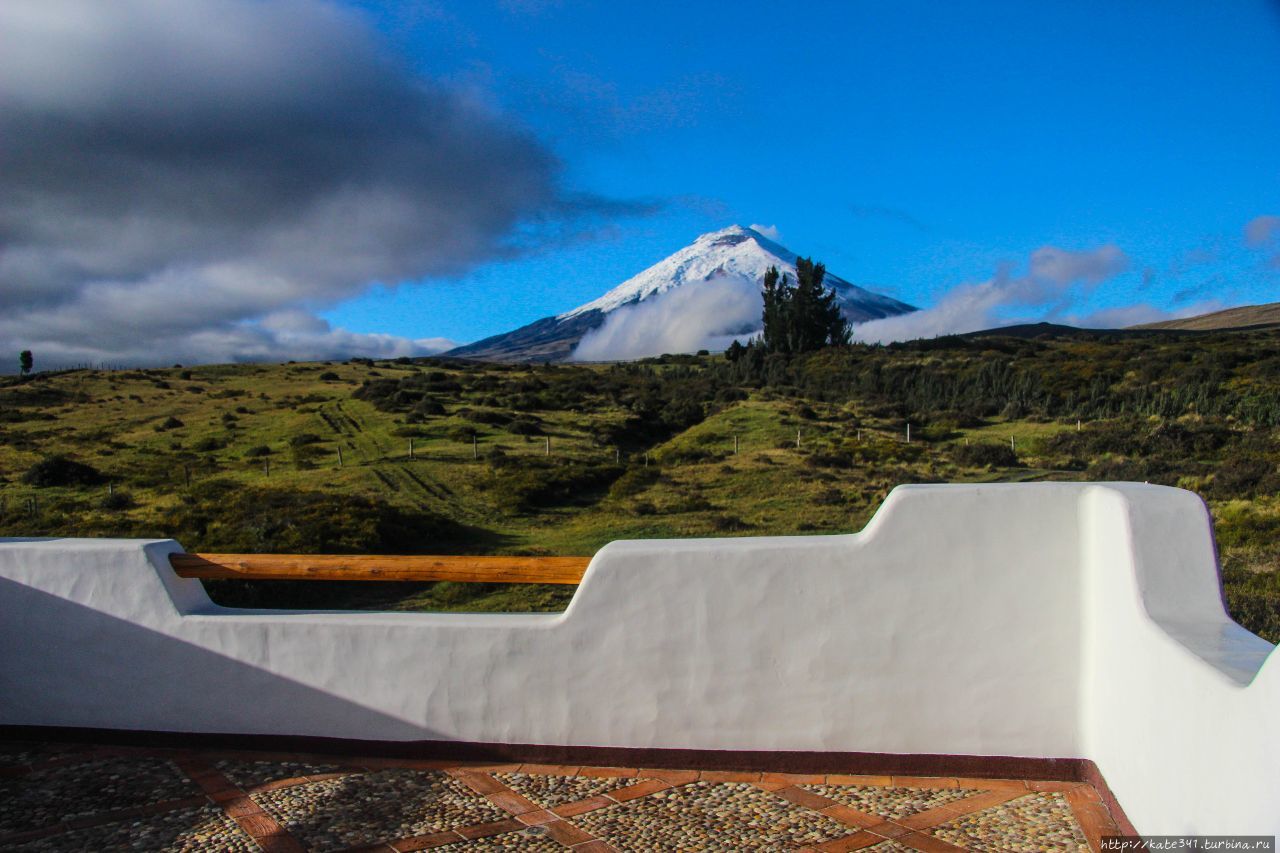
column 1231, row 318
column 732, row 253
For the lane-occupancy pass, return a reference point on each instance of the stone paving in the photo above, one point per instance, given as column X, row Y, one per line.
column 56, row 797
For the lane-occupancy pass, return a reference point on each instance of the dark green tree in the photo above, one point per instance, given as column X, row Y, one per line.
column 26, row 361
column 802, row 317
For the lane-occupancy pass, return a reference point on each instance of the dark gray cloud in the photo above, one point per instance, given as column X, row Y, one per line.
column 173, row 172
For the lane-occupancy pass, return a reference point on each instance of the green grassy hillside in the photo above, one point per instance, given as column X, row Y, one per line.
column 562, row 459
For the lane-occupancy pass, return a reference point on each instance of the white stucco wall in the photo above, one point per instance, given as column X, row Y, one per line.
column 1039, row 620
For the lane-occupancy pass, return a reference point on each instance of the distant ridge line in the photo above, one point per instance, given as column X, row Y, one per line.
column 1240, row 317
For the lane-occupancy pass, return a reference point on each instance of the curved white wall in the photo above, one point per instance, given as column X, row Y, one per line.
column 1041, row 620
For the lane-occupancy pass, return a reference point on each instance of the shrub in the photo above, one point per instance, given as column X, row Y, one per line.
column 61, row 471
column 258, row 451
column 525, row 425
column 829, row 497
column 727, row 523
column 981, row 454
column 491, row 418
column 329, row 376
column 169, row 423
column 829, row 460
column 538, row 484
column 116, row 501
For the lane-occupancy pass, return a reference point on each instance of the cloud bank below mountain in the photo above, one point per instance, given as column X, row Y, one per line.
column 1054, row 280
column 709, row 315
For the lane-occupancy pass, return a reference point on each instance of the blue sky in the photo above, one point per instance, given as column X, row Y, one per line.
column 240, row 180
column 912, row 146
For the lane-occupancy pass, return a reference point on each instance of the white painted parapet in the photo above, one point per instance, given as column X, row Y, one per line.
column 1036, row 620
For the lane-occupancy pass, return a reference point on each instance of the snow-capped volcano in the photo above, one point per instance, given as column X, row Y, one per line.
column 734, row 255
column 735, row 252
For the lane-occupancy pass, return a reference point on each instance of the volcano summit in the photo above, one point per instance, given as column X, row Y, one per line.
column 732, row 262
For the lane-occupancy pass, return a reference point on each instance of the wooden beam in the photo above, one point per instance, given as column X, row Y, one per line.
column 343, row 567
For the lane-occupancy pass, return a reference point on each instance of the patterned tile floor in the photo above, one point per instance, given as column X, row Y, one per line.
column 56, row 797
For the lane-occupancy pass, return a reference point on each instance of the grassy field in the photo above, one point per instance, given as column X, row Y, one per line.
column 563, row 459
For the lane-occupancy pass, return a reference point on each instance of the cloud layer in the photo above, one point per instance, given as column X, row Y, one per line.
column 1045, row 292
column 709, row 315
column 173, row 175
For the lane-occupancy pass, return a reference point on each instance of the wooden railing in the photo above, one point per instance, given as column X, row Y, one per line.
column 342, row 567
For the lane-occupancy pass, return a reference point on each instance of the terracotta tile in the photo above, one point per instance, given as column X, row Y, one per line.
column 550, row 769
column 241, row 807
column 857, row 841
column 595, row 847
column 1094, row 818
column 772, row 786
column 795, row 778
column 481, row 783
column 640, row 789
column 1049, row 785
column 566, row 833
column 277, row 784
column 539, row 817
column 674, row 777
column 851, row 816
column 959, row 808
column 728, row 776
column 493, row 768
column 484, row 830
column 280, row 844
column 230, row 795
column 925, row 782
column 258, row 824
column 212, row 782
column 846, row 779
column 927, row 843
column 888, row 829
column 608, row 772
column 801, row 797
column 583, row 806
column 426, row 842
column 1086, row 793
column 512, row 802
column 427, row 764
column 993, row 784
column 378, row 847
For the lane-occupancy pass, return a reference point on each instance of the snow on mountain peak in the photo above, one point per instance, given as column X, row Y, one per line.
column 736, row 252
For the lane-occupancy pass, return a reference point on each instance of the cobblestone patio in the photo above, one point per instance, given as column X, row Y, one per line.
column 56, row 797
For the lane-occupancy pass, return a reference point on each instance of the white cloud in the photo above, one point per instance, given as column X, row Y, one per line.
column 770, row 231
column 1062, row 267
column 1044, row 292
column 706, row 315
column 1135, row 315
column 279, row 336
